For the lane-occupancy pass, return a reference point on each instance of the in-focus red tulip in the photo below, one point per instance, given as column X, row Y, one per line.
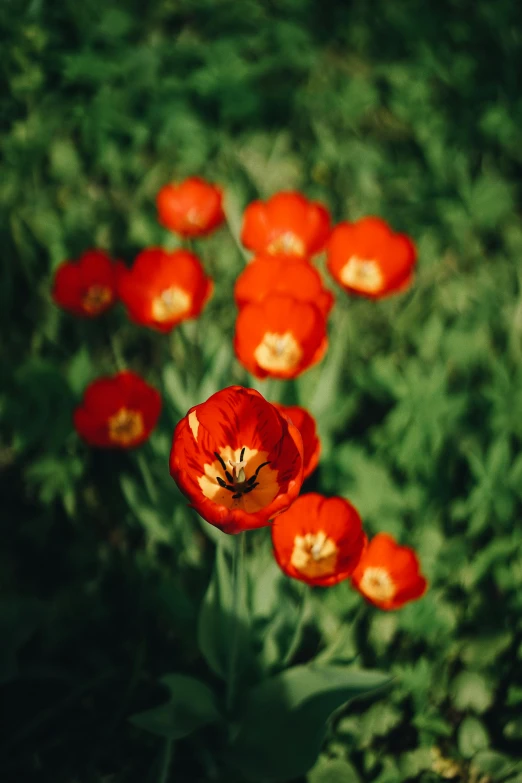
column 192, row 208
column 388, row 575
column 305, row 423
column 280, row 337
column 369, row 259
column 163, row 288
column 86, row 287
column 237, row 459
column 287, row 224
column 318, row 540
column 118, row 412
column 267, row 275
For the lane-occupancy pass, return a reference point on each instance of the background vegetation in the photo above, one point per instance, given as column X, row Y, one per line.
column 408, row 110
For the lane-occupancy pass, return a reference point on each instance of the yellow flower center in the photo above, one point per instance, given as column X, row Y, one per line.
column 377, row 584
column 278, row 352
column 314, row 554
column 287, row 243
column 195, row 218
column 96, row 299
column 362, row 275
column 126, row 427
column 240, row 478
column 171, row 303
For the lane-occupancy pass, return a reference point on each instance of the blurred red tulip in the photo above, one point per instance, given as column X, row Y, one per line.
column 86, row 287
column 318, row 540
column 192, row 208
column 369, row 259
column 163, row 288
column 118, row 412
column 288, row 224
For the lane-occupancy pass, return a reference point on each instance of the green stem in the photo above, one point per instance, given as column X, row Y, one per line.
column 330, row 652
column 148, row 480
column 117, row 354
column 165, row 761
column 237, row 597
column 298, row 630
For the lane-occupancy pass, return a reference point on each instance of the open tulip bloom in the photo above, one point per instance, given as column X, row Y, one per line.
column 192, row 208
column 388, row 575
column 118, row 412
column 237, row 459
column 280, row 337
column 86, row 287
column 369, row 259
column 163, row 288
column 318, row 540
column 288, row 224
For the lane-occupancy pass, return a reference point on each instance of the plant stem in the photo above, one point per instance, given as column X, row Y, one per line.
column 117, row 354
column 342, row 639
column 237, row 597
column 150, row 486
column 298, row 630
column 165, row 761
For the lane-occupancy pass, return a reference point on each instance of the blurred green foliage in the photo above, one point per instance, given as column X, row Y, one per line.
column 406, row 110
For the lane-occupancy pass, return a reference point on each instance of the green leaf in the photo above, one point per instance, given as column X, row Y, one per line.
column 216, row 622
column 192, row 704
column 472, row 737
column 283, row 721
column 333, row 771
column 471, row 691
column 494, row 764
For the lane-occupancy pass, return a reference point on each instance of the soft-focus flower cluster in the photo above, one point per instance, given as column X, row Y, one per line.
column 283, row 305
column 159, row 291
column 240, row 459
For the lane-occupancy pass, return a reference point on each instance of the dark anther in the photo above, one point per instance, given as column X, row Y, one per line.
column 259, row 468
column 239, row 488
column 249, row 489
column 221, row 461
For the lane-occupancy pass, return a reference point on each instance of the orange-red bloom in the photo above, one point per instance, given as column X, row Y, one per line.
column 369, row 259
column 162, row 289
column 118, row 412
column 192, row 208
column 86, row 287
column 280, row 337
column 388, row 575
column 305, row 423
column 267, row 275
column 287, row 224
column 318, row 540
column 237, row 459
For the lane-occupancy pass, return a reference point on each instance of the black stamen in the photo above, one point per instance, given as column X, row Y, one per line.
column 229, row 476
column 221, row 482
column 249, row 489
column 241, row 456
column 221, row 461
column 236, row 496
column 259, row 468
